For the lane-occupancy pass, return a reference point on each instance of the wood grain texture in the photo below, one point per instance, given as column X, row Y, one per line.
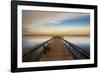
column 57, row 51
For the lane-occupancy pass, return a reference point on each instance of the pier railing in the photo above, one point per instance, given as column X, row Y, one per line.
column 37, row 52
column 77, row 52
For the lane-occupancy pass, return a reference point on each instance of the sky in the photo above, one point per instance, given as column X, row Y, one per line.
column 55, row 23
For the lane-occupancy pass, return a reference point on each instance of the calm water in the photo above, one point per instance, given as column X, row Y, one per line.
column 32, row 41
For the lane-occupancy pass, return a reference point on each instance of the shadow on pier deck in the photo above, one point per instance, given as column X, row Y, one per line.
column 55, row 49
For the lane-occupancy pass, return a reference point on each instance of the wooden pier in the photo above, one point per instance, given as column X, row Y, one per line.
column 55, row 49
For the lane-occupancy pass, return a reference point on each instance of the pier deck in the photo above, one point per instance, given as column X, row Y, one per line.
column 57, row 51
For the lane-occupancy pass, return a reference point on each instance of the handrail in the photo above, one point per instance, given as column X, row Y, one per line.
column 73, row 54
column 36, row 48
column 42, row 53
column 77, row 48
column 81, row 51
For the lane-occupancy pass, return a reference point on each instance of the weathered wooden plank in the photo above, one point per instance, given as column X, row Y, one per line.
column 57, row 51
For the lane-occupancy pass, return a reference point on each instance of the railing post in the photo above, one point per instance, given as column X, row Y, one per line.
column 28, row 56
column 81, row 51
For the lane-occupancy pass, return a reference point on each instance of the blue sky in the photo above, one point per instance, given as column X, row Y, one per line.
column 55, row 23
column 75, row 22
column 82, row 21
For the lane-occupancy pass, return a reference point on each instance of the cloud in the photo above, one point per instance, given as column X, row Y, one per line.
column 46, row 23
column 30, row 17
